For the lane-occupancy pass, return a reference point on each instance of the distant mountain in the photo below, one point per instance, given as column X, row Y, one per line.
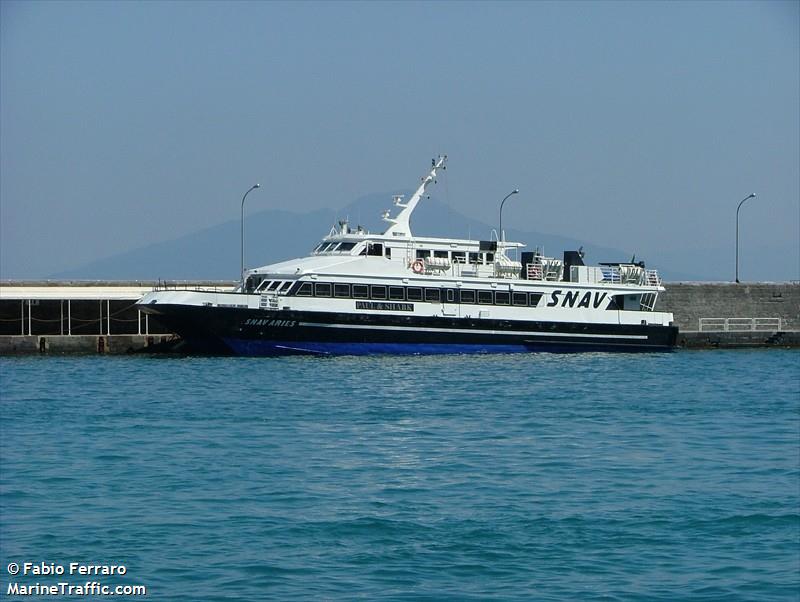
column 275, row 235
column 212, row 253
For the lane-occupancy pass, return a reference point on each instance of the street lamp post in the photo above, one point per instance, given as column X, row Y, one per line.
column 252, row 188
column 503, row 202
column 750, row 196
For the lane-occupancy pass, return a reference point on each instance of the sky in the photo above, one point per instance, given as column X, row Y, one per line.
column 634, row 125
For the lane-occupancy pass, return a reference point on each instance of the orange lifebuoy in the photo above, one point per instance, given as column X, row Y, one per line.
column 418, row 267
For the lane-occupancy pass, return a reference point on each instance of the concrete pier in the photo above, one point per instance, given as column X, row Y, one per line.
column 80, row 344
column 100, row 317
column 82, row 317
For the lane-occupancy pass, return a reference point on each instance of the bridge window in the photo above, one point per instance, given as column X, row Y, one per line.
column 345, row 246
column 459, row 257
column 423, row 253
column 475, row 258
column 306, row 290
column 375, row 249
column 441, row 254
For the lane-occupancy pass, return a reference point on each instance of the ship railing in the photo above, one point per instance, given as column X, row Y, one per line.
column 543, row 268
column 648, row 301
column 611, row 274
column 650, row 278
column 630, row 274
column 187, row 286
column 535, row 271
column 739, row 324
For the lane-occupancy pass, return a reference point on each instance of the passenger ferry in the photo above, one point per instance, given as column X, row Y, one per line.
column 364, row 293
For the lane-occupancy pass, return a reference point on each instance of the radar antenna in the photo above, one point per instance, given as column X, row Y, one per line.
column 401, row 223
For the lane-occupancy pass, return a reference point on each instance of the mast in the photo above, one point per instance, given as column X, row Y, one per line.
column 400, row 225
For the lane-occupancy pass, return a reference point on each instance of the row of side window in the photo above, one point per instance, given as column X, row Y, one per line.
column 333, row 247
column 414, row 293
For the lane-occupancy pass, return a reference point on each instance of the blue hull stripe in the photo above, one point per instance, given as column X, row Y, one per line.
column 254, row 347
column 506, row 332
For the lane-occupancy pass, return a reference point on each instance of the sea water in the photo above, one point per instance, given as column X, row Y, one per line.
column 537, row 477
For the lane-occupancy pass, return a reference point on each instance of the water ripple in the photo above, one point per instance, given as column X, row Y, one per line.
column 591, row 477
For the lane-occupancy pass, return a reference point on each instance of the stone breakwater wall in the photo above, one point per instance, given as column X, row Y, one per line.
column 726, row 314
